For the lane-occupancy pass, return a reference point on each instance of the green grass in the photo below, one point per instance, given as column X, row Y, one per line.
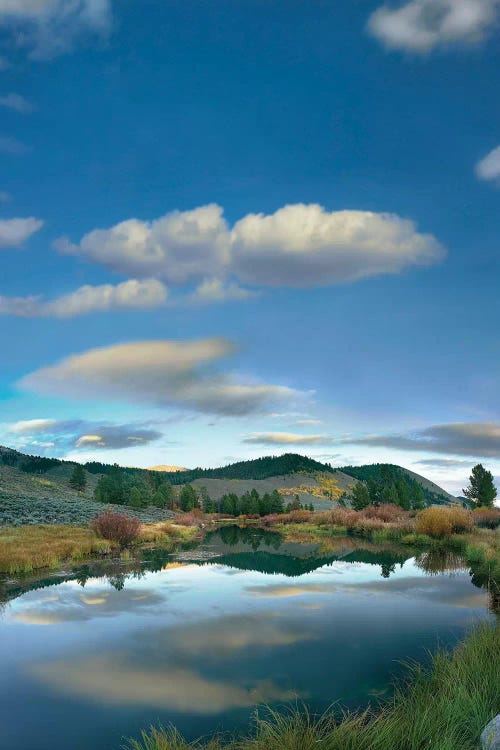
column 442, row 707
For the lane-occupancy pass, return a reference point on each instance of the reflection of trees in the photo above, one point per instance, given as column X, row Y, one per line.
column 387, row 569
column 438, row 561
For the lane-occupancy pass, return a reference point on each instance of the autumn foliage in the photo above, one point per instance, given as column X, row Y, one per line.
column 117, row 527
column 443, row 521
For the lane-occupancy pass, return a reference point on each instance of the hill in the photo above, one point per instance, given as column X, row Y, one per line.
column 35, row 489
column 391, row 472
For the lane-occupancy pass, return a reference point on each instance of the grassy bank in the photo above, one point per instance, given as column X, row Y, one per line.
column 24, row 549
column 443, row 707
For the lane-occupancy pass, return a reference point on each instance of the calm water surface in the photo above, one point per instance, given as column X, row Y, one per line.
column 91, row 656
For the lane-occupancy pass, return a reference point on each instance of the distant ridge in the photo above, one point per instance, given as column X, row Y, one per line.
column 252, row 470
column 167, row 469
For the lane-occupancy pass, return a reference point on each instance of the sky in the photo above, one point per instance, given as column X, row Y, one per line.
column 239, row 229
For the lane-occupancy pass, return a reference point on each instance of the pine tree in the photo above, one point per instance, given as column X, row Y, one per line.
column 78, row 479
column 135, row 498
column 188, row 498
column 404, row 494
column 417, row 497
column 481, row 490
column 360, row 496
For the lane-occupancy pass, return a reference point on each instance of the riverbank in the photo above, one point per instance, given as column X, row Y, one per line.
column 443, row 707
column 24, row 549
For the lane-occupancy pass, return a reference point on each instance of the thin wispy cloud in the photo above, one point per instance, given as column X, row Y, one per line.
column 51, row 28
column 61, row 436
column 129, row 295
column 178, row 373
column 12, row 146
column 15, row 232
column 285, row 438
column 480, row 439
column 421, row 26
column 17, row 103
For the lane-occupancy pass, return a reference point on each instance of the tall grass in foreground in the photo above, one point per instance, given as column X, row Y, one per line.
column 441, row 707
column 27, row 548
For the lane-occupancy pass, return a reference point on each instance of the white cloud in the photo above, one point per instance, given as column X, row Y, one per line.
column 13, row 232
column 214, row 290
column 16, row 102
column 130, row 295
column 30, row 426
column 286, row 438
column 299, row 246
column 47, row 28
column 4, row 196
column 422, row 25
column 489, row 167
column 304, row 245
column 179, row 247
column 159, row 372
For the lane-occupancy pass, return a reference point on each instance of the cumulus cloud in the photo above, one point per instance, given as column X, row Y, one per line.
column 215, row 290
column 16, row 102
column 298, row 246
column 489, row 167
column 422, row 25
column 179, row 247
column 460, row 438
column 47, row 28
column 14, row 232
column 13, row 147
column 304, row 245
column 78, row 433
column 159, row 372
column 285, row 438
column 130, row 295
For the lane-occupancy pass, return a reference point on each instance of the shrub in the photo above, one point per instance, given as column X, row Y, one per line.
column 388, row 512
column 487, row 518
column 461, row 519
column 117, row 527
column 192, row 518
column 438, row 521
column 299, row 516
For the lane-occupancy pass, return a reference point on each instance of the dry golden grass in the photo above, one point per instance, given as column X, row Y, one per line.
column 26, row 548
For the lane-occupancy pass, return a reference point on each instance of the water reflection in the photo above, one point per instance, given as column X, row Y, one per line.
column 259, row 550
column 202, row 637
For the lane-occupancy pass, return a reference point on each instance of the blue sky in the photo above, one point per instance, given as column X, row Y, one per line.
column 297, row 207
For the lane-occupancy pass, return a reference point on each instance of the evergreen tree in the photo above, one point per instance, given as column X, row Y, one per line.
column 404, row 494
column 417, row 498
column 207, row 503
column 188, row 498
column 360, row 496
column 254, row 504
column 135, row 498
column 167, row 492
column 481, row 490
column 265, row 504
column 78, row 479
column 277, row 504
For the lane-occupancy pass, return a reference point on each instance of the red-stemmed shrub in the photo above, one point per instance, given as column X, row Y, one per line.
column 486, row 518
column 117, row 527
